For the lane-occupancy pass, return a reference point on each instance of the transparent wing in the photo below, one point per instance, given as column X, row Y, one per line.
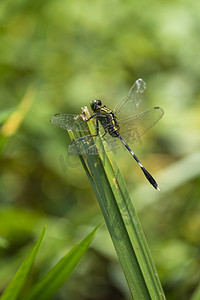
column 69, row 122
column 87, row 145
column 133, row 127
column 83, row 146
column 131, row 101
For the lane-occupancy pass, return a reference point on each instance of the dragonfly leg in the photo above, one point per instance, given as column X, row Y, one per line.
column 97, row 124
column 97, row 127
column 91, row 135
column 93, row 116
column 104, row 133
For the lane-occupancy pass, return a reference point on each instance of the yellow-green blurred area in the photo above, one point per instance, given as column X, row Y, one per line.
column 56, row 56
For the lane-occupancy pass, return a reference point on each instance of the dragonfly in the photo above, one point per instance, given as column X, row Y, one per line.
column 125, row 124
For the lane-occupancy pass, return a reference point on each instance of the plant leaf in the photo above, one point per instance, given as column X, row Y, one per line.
column 13, row 289
column 54, row 279
column 122, row 221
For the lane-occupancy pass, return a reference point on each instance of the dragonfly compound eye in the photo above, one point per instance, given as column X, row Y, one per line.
column 99, row 102
column 94, row 104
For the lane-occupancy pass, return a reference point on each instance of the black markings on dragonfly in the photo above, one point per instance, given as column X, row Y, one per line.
column 125, row 124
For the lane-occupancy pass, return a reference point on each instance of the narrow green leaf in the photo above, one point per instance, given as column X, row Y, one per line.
column 196, row 294
column 13, row 289
column 54, row 279
column 122, row 222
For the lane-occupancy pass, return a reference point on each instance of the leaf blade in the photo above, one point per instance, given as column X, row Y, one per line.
column 54, row 279
column 13, row 289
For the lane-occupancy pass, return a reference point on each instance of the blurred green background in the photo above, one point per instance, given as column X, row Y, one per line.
column 56, row 56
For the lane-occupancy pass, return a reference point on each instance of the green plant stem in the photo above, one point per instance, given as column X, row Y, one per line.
column 122, row 222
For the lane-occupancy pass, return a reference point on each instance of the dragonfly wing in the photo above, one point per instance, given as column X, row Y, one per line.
column 132, row 128
column 69, row 122
column 127, row 106
column 87, row 145
column 84, row 146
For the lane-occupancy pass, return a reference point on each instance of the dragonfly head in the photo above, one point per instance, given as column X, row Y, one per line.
column 94, row 104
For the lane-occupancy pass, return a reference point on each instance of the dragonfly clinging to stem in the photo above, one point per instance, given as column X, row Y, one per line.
column 125, row 124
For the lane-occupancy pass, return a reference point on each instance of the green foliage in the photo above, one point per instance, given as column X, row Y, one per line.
column 122, row 222
column 14, row 288
column 53, row 280
column 56, row 56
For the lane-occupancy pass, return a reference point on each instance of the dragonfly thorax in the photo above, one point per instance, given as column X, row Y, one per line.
column 106, row 117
